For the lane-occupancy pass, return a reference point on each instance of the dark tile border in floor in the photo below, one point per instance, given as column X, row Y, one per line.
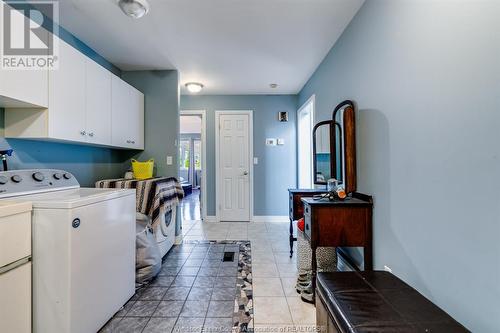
column 195, row 292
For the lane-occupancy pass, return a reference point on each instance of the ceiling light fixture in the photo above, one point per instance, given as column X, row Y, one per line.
column 194, row 87
column 134, row 8
column 273, row 85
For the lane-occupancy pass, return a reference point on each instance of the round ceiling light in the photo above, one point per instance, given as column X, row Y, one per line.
column 134, row 8
column 194, row 87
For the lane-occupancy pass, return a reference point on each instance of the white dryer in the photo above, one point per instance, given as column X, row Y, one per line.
column 83, row 244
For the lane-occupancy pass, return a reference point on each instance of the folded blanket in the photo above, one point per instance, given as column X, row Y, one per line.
column 154, row 196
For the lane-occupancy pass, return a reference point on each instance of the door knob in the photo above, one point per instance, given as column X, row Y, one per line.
column 245, row 173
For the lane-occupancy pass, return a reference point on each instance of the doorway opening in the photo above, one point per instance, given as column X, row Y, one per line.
column 305, row 124
column 192, row 164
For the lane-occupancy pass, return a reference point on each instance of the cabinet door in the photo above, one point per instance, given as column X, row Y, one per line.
column 67, row 96
column 24, row 88
column 98, row 104
column 121, row 124
column 137, row 117
column 15, row 302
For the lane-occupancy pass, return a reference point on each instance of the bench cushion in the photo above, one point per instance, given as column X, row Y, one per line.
column 377, row 301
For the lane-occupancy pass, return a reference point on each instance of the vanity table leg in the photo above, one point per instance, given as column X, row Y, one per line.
column 368, row 258
column 291, row 239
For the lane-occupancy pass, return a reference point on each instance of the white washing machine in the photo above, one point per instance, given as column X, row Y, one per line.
column 83, row 249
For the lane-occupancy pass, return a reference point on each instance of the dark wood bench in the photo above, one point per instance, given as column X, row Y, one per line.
column 376, row 301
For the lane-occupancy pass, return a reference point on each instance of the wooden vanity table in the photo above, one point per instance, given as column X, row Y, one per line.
column 345, row 223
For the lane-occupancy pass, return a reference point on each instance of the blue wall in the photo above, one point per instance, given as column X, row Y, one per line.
column 426, row 78
column 276, row 171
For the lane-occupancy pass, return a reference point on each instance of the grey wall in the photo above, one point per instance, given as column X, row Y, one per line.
column 426, row 78
column 161, row 128
column 276, row 170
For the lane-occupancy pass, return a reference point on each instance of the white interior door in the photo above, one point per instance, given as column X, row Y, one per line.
column 234, row 167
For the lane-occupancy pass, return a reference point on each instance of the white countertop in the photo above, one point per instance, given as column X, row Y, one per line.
column 11, row 207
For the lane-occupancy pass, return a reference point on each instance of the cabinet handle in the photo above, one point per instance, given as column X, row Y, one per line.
column 83, row 132
column 128, row 141
column 91, row 134
column 307, row 226
column 133, row 142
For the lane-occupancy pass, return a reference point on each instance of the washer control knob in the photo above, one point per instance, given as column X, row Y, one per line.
column 38, row 176
column 3, row 180
column 16, row 179
column 67, row 176
column 57, row 176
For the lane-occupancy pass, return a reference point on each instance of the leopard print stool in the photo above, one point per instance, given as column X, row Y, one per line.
column 326, row 257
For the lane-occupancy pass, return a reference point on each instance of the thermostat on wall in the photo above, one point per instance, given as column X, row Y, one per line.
column 270, row 142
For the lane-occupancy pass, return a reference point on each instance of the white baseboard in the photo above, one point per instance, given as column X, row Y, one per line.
column 270, row 218
column 210, row 218
column 257, row 219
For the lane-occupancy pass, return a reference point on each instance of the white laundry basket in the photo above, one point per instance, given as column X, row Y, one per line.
column 148, row 258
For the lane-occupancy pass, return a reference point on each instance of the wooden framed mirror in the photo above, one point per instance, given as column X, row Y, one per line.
column 334, row 148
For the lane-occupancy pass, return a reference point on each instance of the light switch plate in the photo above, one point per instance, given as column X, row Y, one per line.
column 281, row 142
column 255, row 160
column 169, row 160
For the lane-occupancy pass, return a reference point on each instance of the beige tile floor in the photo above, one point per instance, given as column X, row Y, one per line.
column 277, row 306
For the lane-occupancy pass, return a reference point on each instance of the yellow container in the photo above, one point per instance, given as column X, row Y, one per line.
column 143, row 170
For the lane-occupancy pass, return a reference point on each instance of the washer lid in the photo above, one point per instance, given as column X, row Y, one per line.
column 74, row 198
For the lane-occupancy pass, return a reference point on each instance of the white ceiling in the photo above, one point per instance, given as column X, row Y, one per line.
column 231, row 46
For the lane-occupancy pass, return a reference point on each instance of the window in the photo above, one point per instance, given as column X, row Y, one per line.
column 184, row 155
column 197, row 154
column 305, row 123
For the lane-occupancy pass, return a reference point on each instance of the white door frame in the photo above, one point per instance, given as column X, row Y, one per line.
column 201, row 113
column 217, row 158
column 309, row 100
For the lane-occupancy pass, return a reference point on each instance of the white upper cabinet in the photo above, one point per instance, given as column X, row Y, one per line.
column 127, row 115
column 84, row 103
column 137, row 114
column 98, row 104
column 67, row 96
column 23, row 88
